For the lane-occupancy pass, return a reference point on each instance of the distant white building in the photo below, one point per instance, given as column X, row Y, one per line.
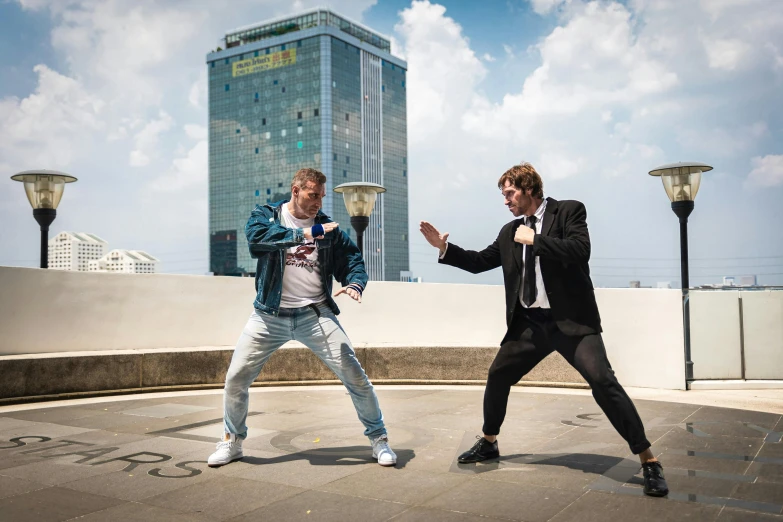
column 126, row 261
column 664, row 284
column 406, row 276
column 749, row 280
column 74, row 250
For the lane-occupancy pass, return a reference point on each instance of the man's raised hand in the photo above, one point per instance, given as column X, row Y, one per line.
column 434, row 237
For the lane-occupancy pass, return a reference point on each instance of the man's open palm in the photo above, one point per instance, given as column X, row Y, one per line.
column 432, row 235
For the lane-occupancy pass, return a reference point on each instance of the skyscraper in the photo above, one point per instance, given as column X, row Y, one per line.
column 311, row 90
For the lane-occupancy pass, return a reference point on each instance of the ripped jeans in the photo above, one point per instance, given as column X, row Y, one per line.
column 322, row 333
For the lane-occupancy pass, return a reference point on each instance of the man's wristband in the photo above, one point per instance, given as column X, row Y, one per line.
column 317, row 230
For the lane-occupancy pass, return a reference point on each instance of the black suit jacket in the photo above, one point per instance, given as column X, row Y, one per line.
column 563, row 247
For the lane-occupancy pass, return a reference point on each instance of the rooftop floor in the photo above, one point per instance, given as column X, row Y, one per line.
column 143, row 457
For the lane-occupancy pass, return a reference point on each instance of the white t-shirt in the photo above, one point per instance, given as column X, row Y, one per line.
column 302, row 275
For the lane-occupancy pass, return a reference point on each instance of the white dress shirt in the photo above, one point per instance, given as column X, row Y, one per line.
column 542, row 301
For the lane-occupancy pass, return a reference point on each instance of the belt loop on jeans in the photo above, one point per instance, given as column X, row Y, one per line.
column 315, row 309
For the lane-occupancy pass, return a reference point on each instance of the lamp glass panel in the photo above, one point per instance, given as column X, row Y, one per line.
column 360, row 201
column 681, row 184
column 44, row 191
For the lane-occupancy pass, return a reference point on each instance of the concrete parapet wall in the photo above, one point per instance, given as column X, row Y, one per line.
column 79, row 373
column 50, row 312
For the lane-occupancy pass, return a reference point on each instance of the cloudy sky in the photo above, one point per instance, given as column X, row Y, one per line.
column 593, row 93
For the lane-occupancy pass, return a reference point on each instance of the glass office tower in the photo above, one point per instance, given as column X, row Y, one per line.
column 312, row 90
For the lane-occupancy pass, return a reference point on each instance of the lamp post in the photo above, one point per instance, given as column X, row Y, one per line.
column 360, row 199
column 44, row 189
column 681, row 181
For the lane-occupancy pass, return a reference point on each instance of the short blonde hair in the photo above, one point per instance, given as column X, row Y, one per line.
column 524, row 176
column 302, row 176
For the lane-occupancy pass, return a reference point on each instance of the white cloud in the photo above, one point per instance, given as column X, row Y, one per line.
column 557, row 165
column 592, row 61
column 190, row 170
column 543, row 7
column 767, row 171
column 443, row 71
column 620, row 88
column 146, row 140
column 488, row 57
column 777, row 57
column 51, row 127
column 196, row 132
column 726, row 54
column 198, row 92
column 508, row 50
column 133, row 55
column 593, row 68
column 722, row 141
column 397, row 48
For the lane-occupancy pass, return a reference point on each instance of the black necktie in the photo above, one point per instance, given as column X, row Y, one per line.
column 529, row 284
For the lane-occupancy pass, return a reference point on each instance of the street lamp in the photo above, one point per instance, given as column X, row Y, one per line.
column 44, row 190
column 360, row 199
column 681, row 181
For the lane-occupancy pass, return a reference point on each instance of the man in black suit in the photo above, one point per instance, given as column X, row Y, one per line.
column 550, row 305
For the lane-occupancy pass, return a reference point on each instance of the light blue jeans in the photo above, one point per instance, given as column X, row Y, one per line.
column 322, row 333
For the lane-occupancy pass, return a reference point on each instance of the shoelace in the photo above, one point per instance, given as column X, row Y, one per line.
column 654, row 470
column 224, row 444
column 382, row 445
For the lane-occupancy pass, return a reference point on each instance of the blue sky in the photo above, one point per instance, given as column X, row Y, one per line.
column 594, row 94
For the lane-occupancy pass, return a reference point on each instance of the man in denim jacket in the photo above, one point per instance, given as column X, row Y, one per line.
column 299, row 249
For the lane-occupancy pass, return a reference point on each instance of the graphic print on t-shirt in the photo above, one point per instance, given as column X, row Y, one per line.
column 305, row 256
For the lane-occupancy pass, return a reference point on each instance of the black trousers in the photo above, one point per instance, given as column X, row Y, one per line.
column 534, row 335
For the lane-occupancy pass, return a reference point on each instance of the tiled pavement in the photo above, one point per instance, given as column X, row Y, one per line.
column 144, row 459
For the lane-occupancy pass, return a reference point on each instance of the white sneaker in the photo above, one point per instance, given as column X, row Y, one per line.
column 227, row 451
column 382, row 452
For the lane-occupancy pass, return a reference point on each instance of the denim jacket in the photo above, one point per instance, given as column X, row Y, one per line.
column 268, row 241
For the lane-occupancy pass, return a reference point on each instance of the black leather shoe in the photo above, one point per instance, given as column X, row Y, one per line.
column 481, row 450
column 654, row 481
